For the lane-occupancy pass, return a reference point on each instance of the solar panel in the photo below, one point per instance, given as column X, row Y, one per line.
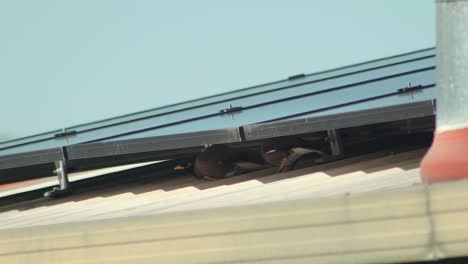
column 400, row 82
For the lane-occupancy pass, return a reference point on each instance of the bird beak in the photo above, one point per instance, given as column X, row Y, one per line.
column 271, row 151
column 307, row 151
column 179, row 167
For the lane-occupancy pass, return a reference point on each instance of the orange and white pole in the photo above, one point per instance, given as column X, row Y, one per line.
column 447, row 158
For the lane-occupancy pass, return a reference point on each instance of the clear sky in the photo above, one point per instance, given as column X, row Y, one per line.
column 66, row 62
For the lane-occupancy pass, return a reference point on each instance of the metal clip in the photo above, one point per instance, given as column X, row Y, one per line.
column 298, row 76
column 231, row 109
column 410, row 88
column 65, row 133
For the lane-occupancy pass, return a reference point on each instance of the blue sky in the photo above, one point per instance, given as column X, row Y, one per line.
column 65, row 62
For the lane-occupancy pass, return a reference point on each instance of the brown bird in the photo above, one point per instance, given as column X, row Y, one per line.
column 284, row 152
column 220, row 161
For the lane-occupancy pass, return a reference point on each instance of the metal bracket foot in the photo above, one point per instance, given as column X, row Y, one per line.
column 57, row 192
column 62, row 173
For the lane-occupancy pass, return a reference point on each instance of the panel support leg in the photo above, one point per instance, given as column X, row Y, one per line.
column 334, row 139
column 62, row 174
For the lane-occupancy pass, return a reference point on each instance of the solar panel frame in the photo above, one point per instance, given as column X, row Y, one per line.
column 337, row 121
column 371, row 92
column 226, row 98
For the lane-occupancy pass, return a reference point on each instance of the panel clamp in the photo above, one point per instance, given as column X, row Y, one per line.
column 410, row 88
column 65, row 133
column 231, row 109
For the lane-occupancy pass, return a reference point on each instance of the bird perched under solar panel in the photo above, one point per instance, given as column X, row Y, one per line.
column 220, row 161
column 284, row 152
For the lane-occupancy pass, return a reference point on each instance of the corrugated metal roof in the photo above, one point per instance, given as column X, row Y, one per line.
column 368, row 173
column 366, row 209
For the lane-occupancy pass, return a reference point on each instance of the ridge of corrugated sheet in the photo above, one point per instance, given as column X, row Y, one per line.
column 345, row 177
column 410, row 224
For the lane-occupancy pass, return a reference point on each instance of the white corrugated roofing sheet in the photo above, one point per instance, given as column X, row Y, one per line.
column 356, row 175
column 365, row 209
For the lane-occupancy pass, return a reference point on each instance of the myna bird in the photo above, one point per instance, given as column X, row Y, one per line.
column 284, row 152
column 220, row 161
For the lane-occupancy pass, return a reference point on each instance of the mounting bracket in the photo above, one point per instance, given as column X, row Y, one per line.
column 334, row 139
column 61, row 170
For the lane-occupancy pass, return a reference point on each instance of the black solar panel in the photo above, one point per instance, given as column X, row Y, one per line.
column 394, row 88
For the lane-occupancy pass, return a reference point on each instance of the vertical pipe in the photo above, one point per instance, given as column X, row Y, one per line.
column 447, row 158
